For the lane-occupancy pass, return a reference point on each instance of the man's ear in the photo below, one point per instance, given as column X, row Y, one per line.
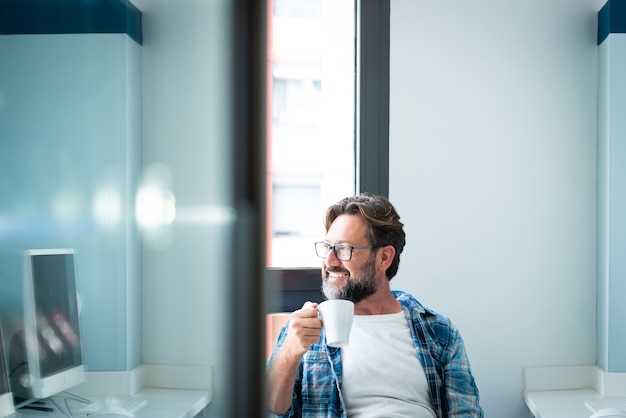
column 387, row 253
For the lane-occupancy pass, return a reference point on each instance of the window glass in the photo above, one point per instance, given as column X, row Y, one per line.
column 311, row 152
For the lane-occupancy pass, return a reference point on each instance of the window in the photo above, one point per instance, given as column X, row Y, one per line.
column 324, row 141
column 311, row 147
column 296, row 102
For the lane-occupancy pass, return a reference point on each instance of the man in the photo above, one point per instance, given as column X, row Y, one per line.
column 403, row 359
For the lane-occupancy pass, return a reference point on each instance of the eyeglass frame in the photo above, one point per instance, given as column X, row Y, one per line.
column 333, row 248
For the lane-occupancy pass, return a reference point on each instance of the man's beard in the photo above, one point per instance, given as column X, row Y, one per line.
column 356, row 288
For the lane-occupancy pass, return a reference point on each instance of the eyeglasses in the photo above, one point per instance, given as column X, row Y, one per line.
column 342, row 252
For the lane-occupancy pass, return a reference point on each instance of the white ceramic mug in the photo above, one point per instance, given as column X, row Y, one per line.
column 336, row 315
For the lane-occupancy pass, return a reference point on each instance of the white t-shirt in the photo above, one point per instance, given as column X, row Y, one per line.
column 382, row 376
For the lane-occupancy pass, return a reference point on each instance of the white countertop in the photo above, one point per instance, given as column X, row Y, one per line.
column 561, row 391
column 560, row 403
column 170, row 391
column 161, row 403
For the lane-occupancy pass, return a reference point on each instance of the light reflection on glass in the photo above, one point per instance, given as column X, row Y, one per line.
column 156, row 203
column 214, row 215
column 155, row 207
column 49, row 337
column 107, row 207
column 65, row 328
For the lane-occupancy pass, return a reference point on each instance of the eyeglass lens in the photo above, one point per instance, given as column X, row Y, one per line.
column 343, row 253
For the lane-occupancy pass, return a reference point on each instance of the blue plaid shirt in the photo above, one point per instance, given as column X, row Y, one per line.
column 439, row 347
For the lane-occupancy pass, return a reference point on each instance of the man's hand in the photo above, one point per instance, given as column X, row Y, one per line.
column 304, row 329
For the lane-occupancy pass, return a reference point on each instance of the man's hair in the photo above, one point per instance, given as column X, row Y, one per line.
column 384, row 223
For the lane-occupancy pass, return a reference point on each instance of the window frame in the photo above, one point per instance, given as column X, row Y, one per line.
column 372, row 97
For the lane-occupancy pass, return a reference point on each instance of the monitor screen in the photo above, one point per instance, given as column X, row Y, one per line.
column 6, row 398
column 51, row 322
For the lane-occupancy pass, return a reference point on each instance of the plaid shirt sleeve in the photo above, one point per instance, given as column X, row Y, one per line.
column 461, row 394
column 316, row 391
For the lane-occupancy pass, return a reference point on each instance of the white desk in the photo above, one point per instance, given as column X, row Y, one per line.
column 561, row 391
column 161, row 403
column 560, row 403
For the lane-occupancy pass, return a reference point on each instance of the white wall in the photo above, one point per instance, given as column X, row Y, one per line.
column 493, row 170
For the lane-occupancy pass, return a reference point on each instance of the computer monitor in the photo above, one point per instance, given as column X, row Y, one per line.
column 52, row 341
column 6, row 397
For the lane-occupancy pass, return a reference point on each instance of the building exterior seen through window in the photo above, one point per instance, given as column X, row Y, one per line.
column 311, row 97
